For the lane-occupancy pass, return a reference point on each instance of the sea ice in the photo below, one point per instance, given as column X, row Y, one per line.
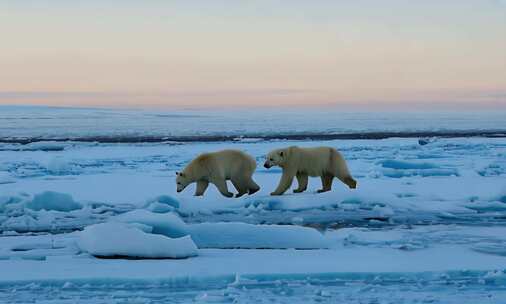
column 168, row 224
column 6, row 178
column 241, row 235
column 50, row 200
column 228, row 235
column 119, row 240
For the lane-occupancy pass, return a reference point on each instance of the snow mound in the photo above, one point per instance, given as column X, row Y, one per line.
column 56, row 201
column 168, row 224
column 162, row 204
column 227, row 235
column 248, row 236
column 122, row 240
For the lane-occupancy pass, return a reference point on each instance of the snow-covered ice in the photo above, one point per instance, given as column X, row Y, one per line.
column 168, row 224
column 5, row 178
column 226, row 235
column 242, row 235
column 123, row 240
column 427, row 223
column 50, row 200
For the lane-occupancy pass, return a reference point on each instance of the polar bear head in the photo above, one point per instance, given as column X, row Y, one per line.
column 181, row 181
column 275, row 158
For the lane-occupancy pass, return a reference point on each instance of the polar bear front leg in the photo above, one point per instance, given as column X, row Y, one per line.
column 284, row 183
column 201, row 187
column 221, row 184
column 302, row 180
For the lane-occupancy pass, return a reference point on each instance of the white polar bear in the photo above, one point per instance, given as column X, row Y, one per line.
column 217, row 168
column 325, row 162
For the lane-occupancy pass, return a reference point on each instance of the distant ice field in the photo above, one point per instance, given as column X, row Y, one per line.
column 24, row 122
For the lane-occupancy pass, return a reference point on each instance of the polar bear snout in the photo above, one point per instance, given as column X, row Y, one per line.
column 267, row 165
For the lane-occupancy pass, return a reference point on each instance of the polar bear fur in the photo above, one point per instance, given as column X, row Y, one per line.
column 217, row 168
column 325, row 162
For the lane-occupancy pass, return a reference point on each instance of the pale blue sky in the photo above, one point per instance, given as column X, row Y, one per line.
column 241, row 52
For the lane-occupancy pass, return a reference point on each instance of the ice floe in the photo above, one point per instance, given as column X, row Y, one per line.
column 228, row 235
column 123, row 240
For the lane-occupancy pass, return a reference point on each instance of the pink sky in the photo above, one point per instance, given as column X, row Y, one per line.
column 178, row 53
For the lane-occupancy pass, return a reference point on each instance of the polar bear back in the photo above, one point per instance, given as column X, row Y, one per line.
column 317, row 161
column 226, row 163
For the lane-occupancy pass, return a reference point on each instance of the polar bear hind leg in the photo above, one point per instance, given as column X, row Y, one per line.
column 340, row 170
column 326, row 183
column 252, row 186
column 240, row 185
column 348, row 180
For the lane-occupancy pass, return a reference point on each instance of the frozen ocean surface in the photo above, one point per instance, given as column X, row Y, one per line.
column 23, row 122
column 88, row 222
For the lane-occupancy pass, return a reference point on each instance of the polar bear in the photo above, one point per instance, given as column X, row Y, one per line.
column 217, row 168
column 325, row 162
